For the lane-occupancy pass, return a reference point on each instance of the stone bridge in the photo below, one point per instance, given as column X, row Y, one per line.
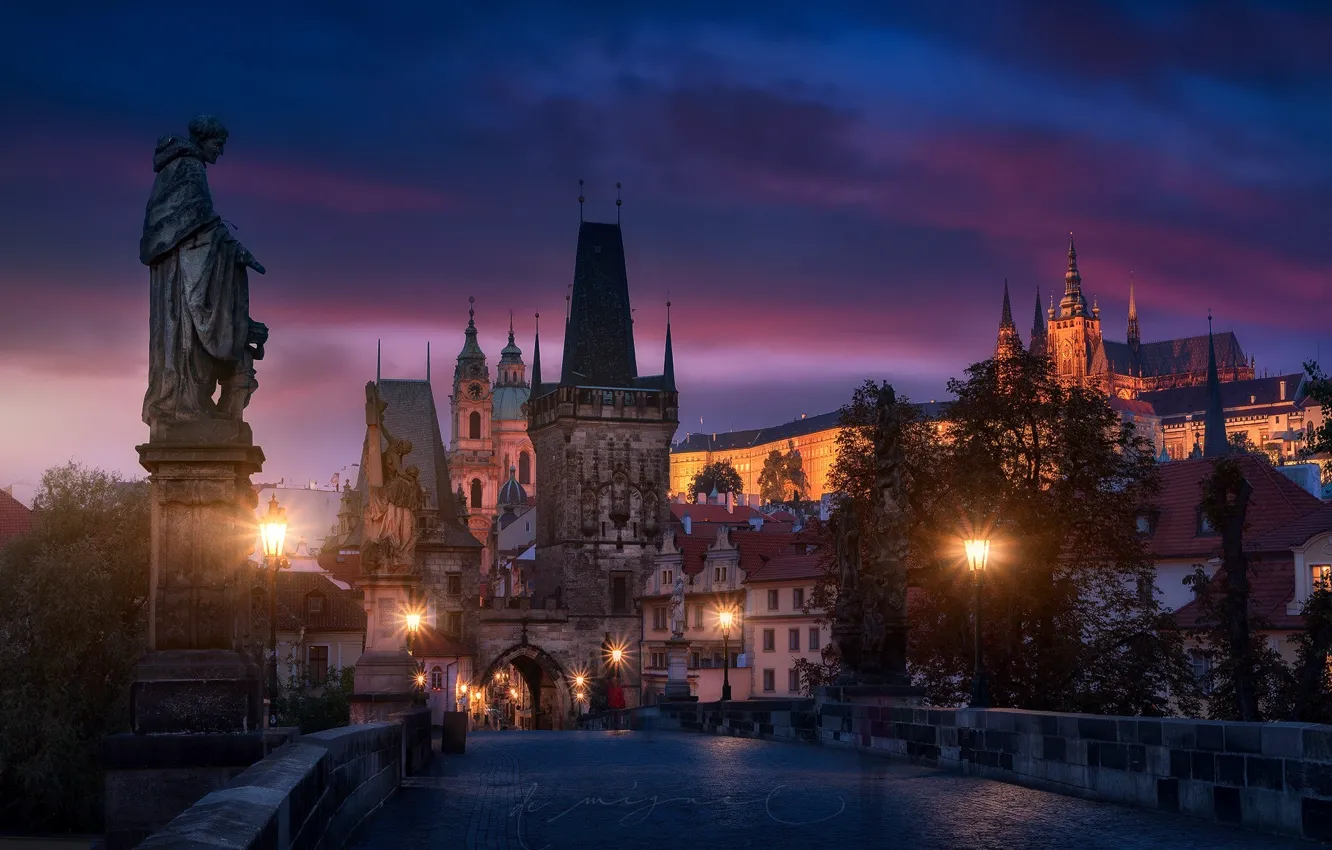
column 686, row 775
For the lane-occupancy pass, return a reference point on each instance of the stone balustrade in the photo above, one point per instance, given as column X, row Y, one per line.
column 309, row 793
column 1271, row 777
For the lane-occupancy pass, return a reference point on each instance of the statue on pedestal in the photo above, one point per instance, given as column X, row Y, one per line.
column 201, row 336
column 870, row 615
column 678, row 608
column 389, row 528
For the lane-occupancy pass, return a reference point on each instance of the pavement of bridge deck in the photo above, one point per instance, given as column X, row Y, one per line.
column 678, row 790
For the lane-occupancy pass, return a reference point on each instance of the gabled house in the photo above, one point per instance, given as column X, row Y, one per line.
column 1287, row 539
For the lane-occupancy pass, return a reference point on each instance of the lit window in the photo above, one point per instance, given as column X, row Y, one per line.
column 436, row 679
column 1322, row 575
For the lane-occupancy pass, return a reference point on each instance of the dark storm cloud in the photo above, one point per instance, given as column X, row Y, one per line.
column 825, row 190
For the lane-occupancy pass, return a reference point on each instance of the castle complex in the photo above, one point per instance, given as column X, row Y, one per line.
column 1160, row 386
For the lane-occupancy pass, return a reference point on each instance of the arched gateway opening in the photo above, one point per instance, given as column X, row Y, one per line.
column 528, row 689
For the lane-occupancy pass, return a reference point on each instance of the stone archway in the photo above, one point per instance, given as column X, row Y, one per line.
column 546, row 681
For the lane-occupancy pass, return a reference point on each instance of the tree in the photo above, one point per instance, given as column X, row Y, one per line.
column 1311, row 683
column 783, row 473
column 71, row 629
column 1319, row 389
column 718, row 475
column 313, row 704
column 1057, row 481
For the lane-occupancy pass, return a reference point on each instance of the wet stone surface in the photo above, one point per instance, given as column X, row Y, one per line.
column 588, row 790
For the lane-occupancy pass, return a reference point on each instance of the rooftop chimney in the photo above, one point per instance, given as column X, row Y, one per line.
column 1283, row 390
column 730, row 502
column 688, row 524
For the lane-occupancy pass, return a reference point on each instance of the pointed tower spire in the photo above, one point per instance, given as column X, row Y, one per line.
column 1008, row 336
column 668, row 365
column 1038, row 327
column 536, row 359
column 1134, row 337
column 1215, row 443
column 1074, row 303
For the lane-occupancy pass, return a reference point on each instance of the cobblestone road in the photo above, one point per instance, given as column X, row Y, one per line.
column 646, row 790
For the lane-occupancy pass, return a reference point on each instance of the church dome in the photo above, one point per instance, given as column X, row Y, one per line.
column 512, row 493
column 508, row 403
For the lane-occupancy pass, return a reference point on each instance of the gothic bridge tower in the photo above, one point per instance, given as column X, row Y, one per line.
column 602, row 435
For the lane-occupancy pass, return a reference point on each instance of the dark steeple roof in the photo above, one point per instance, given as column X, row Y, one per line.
column 471, row 350
column 511, row 353
column 1215, row 443
column 668, row 365
column 1008, row 335
column 599, row 341
column 1134, row 337
column 536, row 359
column 1038, row 320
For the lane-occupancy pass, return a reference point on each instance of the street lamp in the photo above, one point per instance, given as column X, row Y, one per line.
column 725, row 619
column 978, row 553
column 272, row 537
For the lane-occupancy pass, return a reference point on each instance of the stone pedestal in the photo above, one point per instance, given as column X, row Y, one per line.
column 385, row 672
column 677, row 670
column 196, row 701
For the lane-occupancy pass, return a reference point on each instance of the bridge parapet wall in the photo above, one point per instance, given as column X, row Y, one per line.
column 307, row 794
column 1271, row 777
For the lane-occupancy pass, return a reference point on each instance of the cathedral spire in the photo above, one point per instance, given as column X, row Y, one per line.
column 1038, row 327
column 668, row 365
column 1074, row 303
column 1008, row 336
column 1215, row 443
column 1133, row 336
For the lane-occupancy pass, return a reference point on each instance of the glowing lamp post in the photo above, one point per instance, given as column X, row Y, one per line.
column 273, row 537
column 725, row 620
column 978, row 553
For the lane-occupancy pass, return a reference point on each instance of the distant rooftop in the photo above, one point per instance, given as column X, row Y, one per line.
column 730, row 440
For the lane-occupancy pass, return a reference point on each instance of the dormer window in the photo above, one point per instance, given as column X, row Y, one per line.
column 667, row 578
column 1204, row 524
column 314, row 604
column 719, row 574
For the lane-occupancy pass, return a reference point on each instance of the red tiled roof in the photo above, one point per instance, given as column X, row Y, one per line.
column 342, row 567
column 788, row 567
column 1276, row 501
column 1297, row 532
column 755, row 548
column 15, row 517
column 713, row 513
column 341, row 610
column 1127, row 405
column 1271, row 588
column 433, row 643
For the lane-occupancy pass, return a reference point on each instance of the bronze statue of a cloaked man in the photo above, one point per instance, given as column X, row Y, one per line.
column 202, row 341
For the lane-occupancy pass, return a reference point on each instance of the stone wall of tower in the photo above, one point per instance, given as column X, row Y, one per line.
column 601, row 484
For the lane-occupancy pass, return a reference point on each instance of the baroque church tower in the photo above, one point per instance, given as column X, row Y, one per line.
column 489, row 428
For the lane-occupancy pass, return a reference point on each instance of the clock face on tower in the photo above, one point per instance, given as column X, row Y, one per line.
column 474, row 391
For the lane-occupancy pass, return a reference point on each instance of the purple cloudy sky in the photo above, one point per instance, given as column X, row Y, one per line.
column 828, row 191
